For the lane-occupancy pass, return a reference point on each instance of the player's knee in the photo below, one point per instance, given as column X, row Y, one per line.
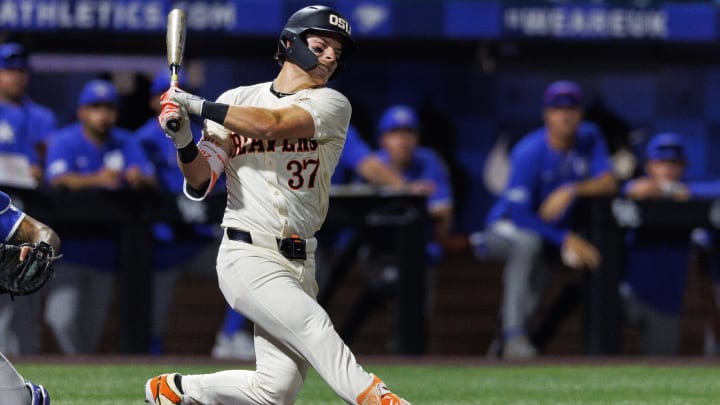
column 280, row 388
column 528, row 244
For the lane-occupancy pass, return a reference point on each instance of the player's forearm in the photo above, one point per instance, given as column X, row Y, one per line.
column 73, row 181
column 261, row 123
column 602, row 185
column 197, row 172
column 32, row 230
column 252, row 122
column 376, row 172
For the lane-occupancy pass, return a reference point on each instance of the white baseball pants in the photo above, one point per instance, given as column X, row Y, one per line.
column 292, row 331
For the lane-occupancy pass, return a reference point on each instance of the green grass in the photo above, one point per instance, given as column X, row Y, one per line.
column 123, row 384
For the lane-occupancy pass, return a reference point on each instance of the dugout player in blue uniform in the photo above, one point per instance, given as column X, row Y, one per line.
column 423, row 171
column 422, row 168
column 16, row 227
column 30, row 122
column 91, row 154
column 551, row 167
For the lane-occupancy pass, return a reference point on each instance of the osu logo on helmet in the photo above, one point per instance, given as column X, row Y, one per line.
column 340, row 22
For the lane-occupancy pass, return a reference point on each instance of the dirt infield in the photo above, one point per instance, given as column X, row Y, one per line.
column 451, row 361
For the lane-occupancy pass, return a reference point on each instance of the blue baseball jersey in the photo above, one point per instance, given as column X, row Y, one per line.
column 14, row 131
column 354, row 151
column 537, row 170
column 10, row 217
column 70, row 151
column 426, row 164
column 704, row 189
column 23, row 127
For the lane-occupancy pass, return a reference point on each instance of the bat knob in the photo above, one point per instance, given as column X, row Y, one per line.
column 173, row 125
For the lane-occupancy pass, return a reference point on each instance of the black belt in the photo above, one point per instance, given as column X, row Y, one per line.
column 238, row 235
column 292, row 247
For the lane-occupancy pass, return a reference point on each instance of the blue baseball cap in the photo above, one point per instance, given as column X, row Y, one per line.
column 398, row 116
column 98, row 92
column 13, row 56
column 666, row 146
column 563, row 94
column 161, row 82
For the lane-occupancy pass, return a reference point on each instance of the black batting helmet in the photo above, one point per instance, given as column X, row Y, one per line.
column 319, row 19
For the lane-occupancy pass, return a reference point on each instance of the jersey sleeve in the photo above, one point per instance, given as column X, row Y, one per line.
column 355, row 150
column 59, row 157
column 330, row 111
column 704, row 189
column 438, row 173
column 10, row 218
column 135, row 156
column 625, row 189
column 44, row 123
column 600, row 157
column 520, row 195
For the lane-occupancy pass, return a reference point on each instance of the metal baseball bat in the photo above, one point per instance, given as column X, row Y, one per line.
column 175, row 42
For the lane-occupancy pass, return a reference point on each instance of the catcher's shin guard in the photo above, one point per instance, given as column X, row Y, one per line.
column 165, row 389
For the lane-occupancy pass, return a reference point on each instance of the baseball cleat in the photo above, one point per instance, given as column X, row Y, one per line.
column 379, row 394
column 164, row 389
column 38, row 394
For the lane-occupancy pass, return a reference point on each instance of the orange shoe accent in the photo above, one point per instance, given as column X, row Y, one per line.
column 392, row 399
column 379, row 394
column 159, row 387
column 365, row 395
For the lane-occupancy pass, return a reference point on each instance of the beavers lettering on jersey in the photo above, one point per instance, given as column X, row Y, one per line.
column 245, row 145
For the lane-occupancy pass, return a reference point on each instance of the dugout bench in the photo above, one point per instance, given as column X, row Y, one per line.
column 127, row 216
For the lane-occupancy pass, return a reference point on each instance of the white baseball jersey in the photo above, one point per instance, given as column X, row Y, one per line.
column 282, row 187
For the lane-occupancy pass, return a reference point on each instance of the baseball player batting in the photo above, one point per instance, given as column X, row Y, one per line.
column 16, row 229
column 278, row 143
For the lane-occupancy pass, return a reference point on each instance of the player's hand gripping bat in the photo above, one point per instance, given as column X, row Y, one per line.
column 175, row 42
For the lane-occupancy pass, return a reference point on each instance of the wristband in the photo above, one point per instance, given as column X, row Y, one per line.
column 188, row 153
column 215, row 111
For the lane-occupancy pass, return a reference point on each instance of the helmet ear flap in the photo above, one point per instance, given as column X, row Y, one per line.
column 298, row 50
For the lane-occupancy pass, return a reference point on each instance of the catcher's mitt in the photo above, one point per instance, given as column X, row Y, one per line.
column 27, row 276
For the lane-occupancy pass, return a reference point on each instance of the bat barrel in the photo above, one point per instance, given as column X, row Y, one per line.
column 175, row 41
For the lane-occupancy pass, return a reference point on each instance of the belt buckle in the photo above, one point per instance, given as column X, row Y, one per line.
column 293, row 247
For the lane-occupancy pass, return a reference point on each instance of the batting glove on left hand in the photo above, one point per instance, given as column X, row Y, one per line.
column 172, row 111
column 192, row 103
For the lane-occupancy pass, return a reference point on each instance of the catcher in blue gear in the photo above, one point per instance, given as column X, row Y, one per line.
column 27, row 251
